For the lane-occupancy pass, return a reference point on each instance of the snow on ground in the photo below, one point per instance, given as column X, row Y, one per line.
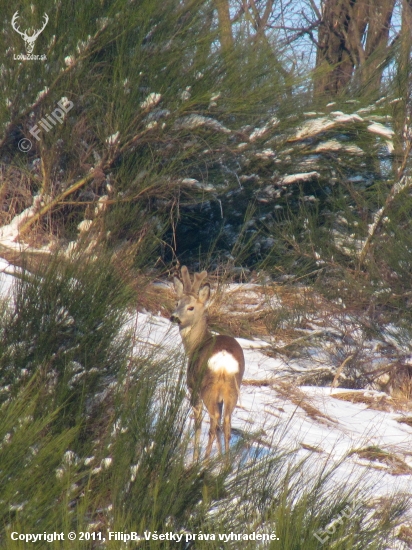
column 7, row 278
column 310, row 419
column 283, row 416
column 9, row 233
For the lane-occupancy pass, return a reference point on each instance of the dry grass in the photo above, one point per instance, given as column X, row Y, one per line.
column 377, row 402
column 242, row 311
column 295, row 395
column 16, row 192
column 400, row 382
column 33, row 261
column 236, row 311
column 405, row 420
column 374, row 400
column 300, row 399
column 264, row 382
column 154, row 297
column 311, row 448
column 17, row 188
column 405, row 534
column 395, row 465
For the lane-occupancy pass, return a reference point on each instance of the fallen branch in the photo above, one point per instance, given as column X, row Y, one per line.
column 340, row 369
column 297, row 341
column 47, row 207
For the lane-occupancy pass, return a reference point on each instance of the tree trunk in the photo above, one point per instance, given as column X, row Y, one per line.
column 225, row 26
column 333, row 61
column 402, row 108
column 345, row 27
column 376, row 47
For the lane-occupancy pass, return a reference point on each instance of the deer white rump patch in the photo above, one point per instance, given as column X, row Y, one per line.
column 223, row 361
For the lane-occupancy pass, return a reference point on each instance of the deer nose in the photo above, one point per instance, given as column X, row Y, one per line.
column 175, row 319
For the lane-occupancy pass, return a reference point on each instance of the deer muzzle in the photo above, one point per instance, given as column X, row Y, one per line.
column 175, row 319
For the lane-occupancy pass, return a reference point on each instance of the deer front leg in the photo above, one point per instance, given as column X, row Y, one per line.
column 197, row 410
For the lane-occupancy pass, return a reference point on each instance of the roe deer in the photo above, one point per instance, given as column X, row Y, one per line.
column 215, row 363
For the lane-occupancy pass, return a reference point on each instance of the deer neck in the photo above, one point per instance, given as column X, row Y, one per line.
column 193, row 336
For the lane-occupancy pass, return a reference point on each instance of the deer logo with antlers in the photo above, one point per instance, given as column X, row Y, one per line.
column 29, row 40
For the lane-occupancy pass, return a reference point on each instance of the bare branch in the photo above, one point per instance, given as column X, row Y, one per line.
column 316, row 9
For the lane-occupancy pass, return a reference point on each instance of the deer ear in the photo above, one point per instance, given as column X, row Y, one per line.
column 204, row 293
column 178, row 287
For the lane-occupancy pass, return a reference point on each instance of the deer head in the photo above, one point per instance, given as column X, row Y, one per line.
column 28, row 40
column 191, row 299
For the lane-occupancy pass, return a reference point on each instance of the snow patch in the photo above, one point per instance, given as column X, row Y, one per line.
column 111, row 140
column 9, row 233
column 192, row 122
column 151, row 101
column 304, row 176
column 316, row 126
column 381, row 130
column 335, row 146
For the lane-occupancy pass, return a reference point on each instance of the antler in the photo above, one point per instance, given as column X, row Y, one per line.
column 24, row 34
column 36, row 34
column 198, row 281
column 188, row 287
column 13, row 24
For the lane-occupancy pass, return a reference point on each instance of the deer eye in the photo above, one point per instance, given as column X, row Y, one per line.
column 191, row 308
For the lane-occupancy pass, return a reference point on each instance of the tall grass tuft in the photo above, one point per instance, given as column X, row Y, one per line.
column 62, row 325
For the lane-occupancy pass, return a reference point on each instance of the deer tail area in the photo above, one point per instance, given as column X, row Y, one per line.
column 228, row 396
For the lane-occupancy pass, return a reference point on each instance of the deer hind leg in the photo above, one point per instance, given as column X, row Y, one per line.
column 230, row 404
column 197, row 410
column 215, row 413
column 218, row 428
